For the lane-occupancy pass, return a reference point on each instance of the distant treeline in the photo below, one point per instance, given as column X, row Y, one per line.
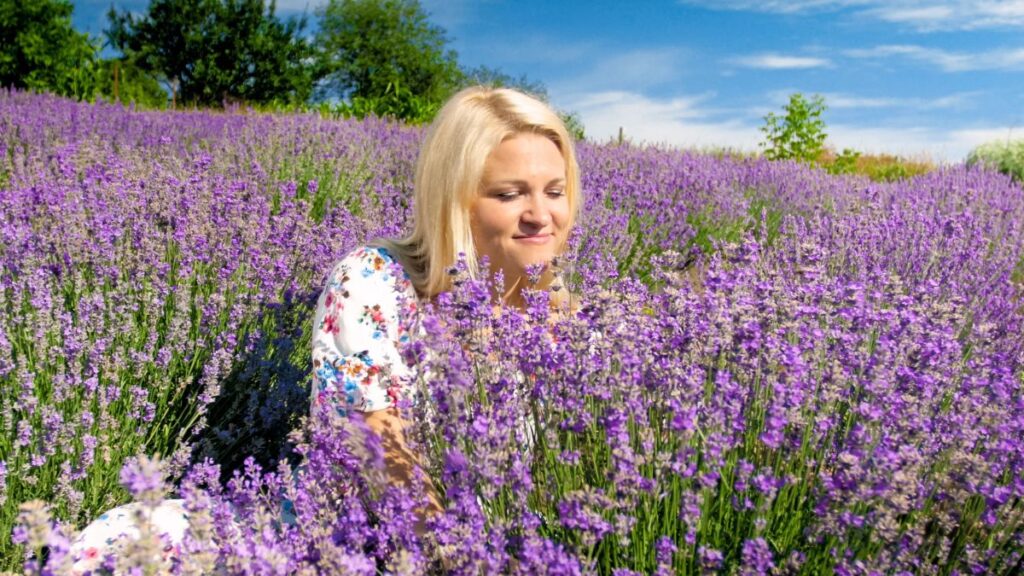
column 381, row 57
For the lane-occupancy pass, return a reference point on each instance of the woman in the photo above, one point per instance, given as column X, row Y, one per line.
column 497, row 177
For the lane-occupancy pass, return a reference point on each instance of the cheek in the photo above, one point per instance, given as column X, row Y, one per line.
column 487, row 231
column 565, row 225
column 492, row 220
column 560, row 213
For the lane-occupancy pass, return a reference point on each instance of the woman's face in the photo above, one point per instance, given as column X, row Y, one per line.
column 521, row 216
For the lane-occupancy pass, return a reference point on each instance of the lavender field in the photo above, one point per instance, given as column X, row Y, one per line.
column 771, row 370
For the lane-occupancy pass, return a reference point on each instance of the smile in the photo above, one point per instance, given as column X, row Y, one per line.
column 533, row 238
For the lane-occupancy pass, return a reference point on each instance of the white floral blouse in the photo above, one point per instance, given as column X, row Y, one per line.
column 366, row 311
column 364, row 315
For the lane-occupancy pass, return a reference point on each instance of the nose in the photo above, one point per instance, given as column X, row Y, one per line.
column 536, row 212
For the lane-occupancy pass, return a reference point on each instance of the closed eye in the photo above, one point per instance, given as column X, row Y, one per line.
column 507, row 195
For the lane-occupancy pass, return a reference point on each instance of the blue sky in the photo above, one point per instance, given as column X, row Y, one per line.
column 928, row 79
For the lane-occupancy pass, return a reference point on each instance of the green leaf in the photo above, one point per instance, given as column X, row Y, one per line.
column 800, row 134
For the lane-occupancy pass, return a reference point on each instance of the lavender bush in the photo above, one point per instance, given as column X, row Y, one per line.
column 141, row 273
column 768, row 368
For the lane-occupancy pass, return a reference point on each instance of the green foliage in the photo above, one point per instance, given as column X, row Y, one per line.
column 39, row 50
column 396, row 102
column 213, row 51
column 123, row 81
column 877, row 167
column 1007, row 156
column 799, row 134
column 487, row 76
column 384, row 52
column 894, row 171
column 385, row 58
column 844, row 163
column 574, row 124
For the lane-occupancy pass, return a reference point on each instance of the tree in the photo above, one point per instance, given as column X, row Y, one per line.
column 384, row 57
column 800, row 134
column 487, row 76
column 39, row 49
column 122, row 81
column 211, row 51
column 380, row 49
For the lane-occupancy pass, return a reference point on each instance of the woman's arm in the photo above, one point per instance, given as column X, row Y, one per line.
column 400, row 462
column 359, row 322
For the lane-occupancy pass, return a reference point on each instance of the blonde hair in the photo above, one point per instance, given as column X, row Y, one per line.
column 449, row 170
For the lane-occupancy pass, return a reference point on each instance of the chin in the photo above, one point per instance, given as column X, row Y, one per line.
column 535, row 260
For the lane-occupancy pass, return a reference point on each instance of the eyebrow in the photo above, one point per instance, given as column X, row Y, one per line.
column 519, row 182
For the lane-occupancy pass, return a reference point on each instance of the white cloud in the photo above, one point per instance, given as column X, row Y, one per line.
column 845, row 101
column 679, row 121
column 959, row 100
column 915, row 142
column 449, row 14
column 780, row 62
column 533, row 48
column 921, row 15
column 638, row 69
column 688, row 122
column 918, row 15
column 949, row 61
column 973, row 137
column 952, row 14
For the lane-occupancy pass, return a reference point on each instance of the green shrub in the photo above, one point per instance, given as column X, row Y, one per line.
column 844, row 163
column 396, row 102
column 119, row 80
column 1007, row 156
column 799, row 134
column 574, row 124
column 877, row 167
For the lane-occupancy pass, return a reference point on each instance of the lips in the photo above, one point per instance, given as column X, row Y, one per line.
column 533, row 238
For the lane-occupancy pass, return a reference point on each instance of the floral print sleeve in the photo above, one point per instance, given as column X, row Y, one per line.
column 361, row 319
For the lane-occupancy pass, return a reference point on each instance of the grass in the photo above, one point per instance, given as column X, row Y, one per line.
column 883, row 167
